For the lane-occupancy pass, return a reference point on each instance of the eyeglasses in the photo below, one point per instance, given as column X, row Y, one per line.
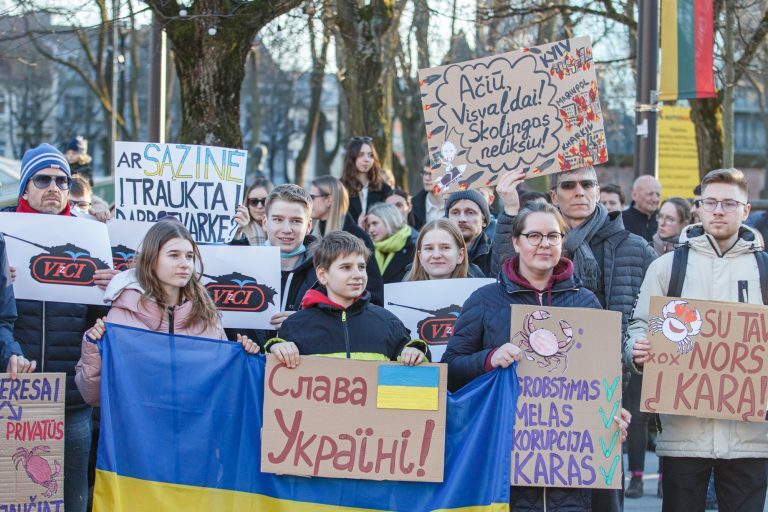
column 366, row 139
column 535, row 238
column 256, row 202
column 570, row 185
column 83, row 205
column 426, row 173
column 710, row 204
column 666, row 219
column 43, row 181
column 313, row 196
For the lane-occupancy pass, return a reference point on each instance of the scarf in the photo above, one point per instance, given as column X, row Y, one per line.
column 24, row 207
column 577, row 245
column 664, row 245
column 387, row 248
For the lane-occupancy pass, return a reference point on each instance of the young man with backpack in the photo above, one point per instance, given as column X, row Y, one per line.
column 719, row 259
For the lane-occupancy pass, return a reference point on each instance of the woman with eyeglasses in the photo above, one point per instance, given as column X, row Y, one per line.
column 363, row 178
column 250, row 215
column 674, row 215
column 537, row 275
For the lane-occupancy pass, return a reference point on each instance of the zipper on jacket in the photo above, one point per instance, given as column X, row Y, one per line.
column 42, row 345
column 170, row 321
column 346, row 333
column 540, row 297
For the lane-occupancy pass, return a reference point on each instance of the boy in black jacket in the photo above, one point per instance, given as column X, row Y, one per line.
column 339, row 320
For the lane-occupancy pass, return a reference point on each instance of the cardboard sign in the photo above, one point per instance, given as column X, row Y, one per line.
column 429, row 309
column 570, row 391
column 354, row 419
column 200, row 185
column 32, row 446
column 536, row 109
column 56, row 257
column 125, row 237
column 708, row 359
column 244, row 282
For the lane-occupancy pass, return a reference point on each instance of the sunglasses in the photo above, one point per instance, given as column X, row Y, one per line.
column 43, row 181
column 365, row 139
column 255, row 202
column 571, row 185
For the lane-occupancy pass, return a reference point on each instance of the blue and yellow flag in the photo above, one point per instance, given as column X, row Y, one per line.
column 180, row 430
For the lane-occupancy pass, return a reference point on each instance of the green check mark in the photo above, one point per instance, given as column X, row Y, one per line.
column 607, row 421
column 609, row 390
column 608, row 476
column 608, row 449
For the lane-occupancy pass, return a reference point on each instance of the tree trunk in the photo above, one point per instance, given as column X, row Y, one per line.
column 709, row 135
column 211, row 45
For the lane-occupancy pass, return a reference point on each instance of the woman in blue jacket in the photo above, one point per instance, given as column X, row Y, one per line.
column 537, row 275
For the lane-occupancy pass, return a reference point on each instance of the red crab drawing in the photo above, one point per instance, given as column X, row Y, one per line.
column 541, row 345
column 38, row 469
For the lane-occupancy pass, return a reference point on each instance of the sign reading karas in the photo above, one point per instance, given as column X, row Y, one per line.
column 536, row 109
column 708, row 359
column 570, row 391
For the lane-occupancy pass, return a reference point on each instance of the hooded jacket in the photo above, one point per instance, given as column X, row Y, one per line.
column 484, row 325
column 125, row 293
column 709, row 275
column 361, row 331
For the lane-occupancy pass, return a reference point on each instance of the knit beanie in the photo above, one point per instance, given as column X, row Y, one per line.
column 78, row 144
column 472, row 195
column 36, row 159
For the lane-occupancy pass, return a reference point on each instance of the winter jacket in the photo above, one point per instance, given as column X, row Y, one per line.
column 398, row 265
column 361, row 331
column 374, row 196
column 484, row 325
column 709, row 276
column 419, row 209
column 8, row 346
column 51, row 333
column 639, row 223
column 124, row 292
column 480, row 253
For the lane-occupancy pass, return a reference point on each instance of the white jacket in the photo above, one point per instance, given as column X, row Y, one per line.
column 709, row 276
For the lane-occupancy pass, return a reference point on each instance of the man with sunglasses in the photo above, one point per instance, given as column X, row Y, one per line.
column 50, row 333
column 722, row 264
column 609, row 260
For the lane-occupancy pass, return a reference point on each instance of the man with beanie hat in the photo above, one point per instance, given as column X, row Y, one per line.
column 78, row 157
column 469, row 210
column 50, row 333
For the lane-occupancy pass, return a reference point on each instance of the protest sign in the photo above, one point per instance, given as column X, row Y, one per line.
column 56, row 256
column 200, row 185
column 536, row 109
column 570, row 391
column 354, row 419
column 32, row 446
column 707, row 359
column 430, row 308
column 125, row 237
column 244, row 282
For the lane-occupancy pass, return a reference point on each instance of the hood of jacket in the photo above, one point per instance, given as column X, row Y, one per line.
column 563, row 272
column 695, row 237
column 318, row 298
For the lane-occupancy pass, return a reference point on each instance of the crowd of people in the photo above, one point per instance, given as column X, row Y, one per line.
column 341, row 240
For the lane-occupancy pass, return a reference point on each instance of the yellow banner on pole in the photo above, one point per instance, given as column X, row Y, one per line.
column 678, row 157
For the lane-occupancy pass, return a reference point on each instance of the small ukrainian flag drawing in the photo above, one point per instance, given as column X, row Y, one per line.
column 408, row 387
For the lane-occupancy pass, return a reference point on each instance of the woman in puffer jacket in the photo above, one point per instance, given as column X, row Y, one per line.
column 162, row 293
column 536, row 275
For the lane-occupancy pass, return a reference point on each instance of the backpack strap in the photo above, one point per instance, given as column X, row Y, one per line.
column 679, row 266
column 762, row 267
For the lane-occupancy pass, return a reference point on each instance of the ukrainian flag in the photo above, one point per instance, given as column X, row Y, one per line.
column 408, row 387
column 180, row 424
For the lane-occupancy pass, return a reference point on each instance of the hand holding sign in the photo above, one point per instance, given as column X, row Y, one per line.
column 20, row 364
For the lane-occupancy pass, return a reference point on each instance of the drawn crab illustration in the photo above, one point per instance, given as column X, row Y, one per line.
column 38, row 469
column 678, row 323
column 542, row 345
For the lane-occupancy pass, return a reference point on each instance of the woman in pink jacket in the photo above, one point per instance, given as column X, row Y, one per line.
column 162, row 293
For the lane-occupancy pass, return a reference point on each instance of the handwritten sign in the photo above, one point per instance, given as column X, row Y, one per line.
column 536, row 109
column 200, row 185
column 32, row 441
column 570, row 391
column 708, row 359
column 244, row 282
column 56, row 257
column 429, row 309
column 340, row 418
column 125, row 237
